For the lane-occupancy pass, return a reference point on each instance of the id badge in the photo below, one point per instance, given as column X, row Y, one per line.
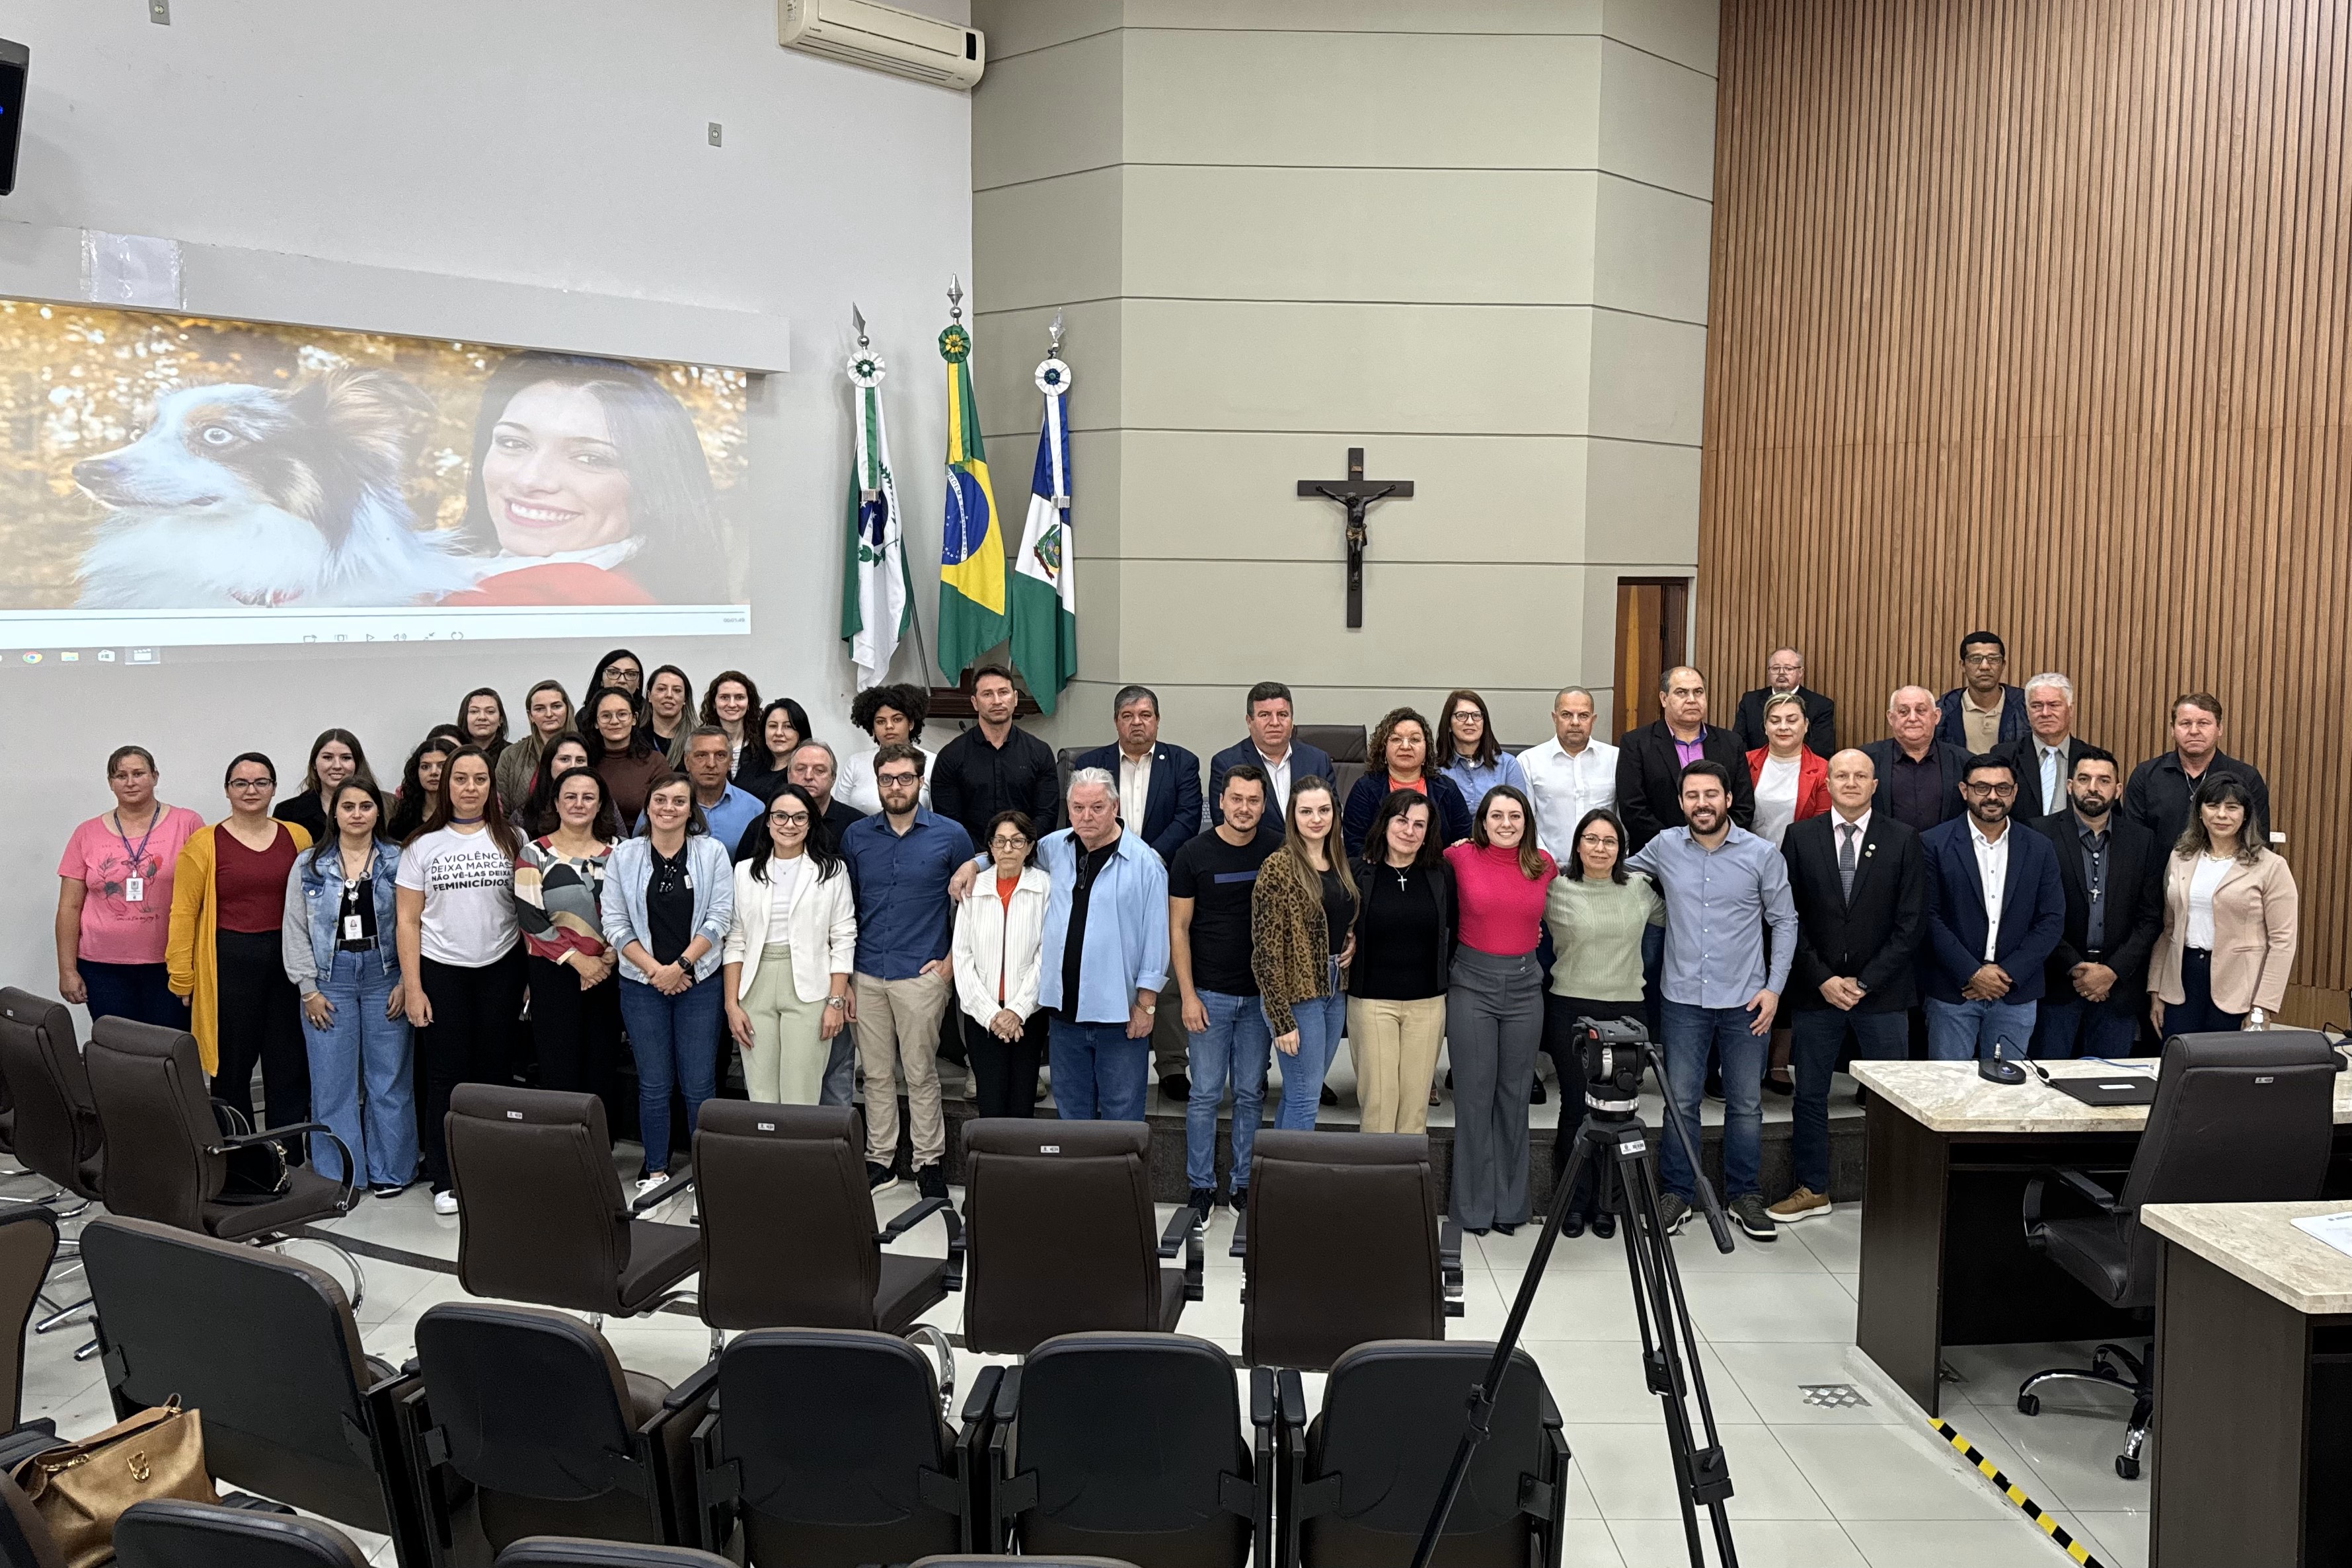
column 134, row 890
column 351, row 928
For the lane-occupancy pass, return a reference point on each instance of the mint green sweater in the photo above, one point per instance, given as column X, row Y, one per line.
column 1596, row 935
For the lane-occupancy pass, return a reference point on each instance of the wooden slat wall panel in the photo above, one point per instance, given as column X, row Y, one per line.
column 2032, row 315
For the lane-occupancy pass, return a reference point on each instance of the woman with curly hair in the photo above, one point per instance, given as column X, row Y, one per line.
column 893, row 716
column 1400, row 751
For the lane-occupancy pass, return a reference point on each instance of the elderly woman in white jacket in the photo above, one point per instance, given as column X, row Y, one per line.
column 789, row 953
column 1000, row 933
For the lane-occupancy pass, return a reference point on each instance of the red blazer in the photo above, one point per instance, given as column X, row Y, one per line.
column 1812, row 780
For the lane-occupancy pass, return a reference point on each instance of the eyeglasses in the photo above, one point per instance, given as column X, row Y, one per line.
column 253, row 783
column 1987, row 660
column 1997, row 791
column 1008, row 841
column 1598, row 841
column 898, row 778
column 789, row 818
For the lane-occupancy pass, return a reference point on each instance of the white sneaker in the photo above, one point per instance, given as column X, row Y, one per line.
column 444, row 1203
column 645, row 1183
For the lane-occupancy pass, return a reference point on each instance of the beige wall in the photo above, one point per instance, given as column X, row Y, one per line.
column 1470, row 238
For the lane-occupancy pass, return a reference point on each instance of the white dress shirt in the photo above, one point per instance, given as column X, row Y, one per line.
column 1563, row 788
column 1993, row 870
column 2204, row 883
column 1134, row 789
column 1277, row 779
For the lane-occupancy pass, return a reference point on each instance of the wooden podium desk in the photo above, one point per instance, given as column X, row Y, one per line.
column 2253, row 1388
column 1944, row 1259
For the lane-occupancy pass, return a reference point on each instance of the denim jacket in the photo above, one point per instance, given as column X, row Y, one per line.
column 631, row 867
column 314, row 898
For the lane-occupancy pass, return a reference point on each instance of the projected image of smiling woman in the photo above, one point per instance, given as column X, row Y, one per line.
column 589, row 487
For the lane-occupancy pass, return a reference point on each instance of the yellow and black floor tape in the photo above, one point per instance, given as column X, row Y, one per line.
column 2008, row 1488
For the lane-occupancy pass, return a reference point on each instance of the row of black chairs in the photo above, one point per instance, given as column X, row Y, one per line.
column 1341, row 1242
column 809, row 1447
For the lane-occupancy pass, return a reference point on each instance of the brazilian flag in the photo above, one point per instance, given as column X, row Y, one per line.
column 972, row 546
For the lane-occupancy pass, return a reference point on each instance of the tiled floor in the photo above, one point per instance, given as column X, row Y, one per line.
column 1822, row 1488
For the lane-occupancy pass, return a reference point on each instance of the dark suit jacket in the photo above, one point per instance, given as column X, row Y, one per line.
column 1171, row 805
column 1304, row 759
column 1650, row 779
column 2032, row 913
column 2012, row 717
column 1820, row 715
column 2158, row 795
column 2020, row 754
column 1881, row 757
column 2135, row 898
column 1875, row 938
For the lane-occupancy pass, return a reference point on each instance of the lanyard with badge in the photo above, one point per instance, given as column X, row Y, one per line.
column 134, row 883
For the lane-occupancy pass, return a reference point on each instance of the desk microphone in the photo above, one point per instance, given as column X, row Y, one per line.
column 1996, row 1069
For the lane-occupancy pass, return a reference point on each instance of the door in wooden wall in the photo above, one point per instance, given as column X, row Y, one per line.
column 1653, row 637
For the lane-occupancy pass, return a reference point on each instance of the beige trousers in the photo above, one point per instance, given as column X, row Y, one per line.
column 785, row 1063
column 1395, row 1045
column 899, row 1027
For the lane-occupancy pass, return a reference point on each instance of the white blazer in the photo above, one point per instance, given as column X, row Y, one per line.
column 992, row 940
column 824, row 929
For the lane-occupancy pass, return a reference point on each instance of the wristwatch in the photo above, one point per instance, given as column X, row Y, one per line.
column 2257, row 1018
column 841, row 1002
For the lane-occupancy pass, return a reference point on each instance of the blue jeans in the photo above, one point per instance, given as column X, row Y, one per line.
column 1100, row 1074
column 140, row 992
column 670, row 1038
column 1691, row 1032
column 1963, row 1032
column 360, row 1075
column 1235, row 1045
column 1321, row 1020
column 1815, row 1036
column 2069, row 1026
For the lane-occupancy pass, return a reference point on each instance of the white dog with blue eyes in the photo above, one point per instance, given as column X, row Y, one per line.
column 247, row 495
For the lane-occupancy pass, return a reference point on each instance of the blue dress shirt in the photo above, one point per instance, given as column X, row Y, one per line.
column 1717, row 904
column 1125, row 949
column 901, row 881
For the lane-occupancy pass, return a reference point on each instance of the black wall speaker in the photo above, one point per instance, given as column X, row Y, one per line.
column 16, row 61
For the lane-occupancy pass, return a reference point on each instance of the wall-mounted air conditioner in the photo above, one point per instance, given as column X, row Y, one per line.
column 884, row 38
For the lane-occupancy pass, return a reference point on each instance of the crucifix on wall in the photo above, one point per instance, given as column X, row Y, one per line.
column 1355, row 495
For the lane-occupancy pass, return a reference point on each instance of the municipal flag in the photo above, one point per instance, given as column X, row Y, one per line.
column 972, row 546
column 1045, row 590
column 877, row 593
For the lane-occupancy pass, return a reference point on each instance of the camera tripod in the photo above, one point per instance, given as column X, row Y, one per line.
column 1613, row 1146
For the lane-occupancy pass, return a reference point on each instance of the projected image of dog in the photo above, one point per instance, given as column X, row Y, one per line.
column 248, row 496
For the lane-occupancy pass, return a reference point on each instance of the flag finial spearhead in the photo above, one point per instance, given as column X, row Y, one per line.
column 955, row 297
column 857, row 321
column 1053, row 336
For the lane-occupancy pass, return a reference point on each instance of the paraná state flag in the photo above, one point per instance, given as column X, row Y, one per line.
column 1045, row 590
column 876, row 588
column 972, row 546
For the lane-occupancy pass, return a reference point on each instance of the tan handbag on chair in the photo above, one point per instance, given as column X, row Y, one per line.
column 79, row 1489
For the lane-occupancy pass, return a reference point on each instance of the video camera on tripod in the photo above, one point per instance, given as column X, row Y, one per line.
column 1615, row 1145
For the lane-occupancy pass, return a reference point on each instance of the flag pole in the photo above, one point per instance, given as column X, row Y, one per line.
column 914, row 614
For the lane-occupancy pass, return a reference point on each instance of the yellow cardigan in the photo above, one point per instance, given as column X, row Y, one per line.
column 192, row 954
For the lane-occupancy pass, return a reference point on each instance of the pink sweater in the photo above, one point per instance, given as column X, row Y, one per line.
column 1501, row 911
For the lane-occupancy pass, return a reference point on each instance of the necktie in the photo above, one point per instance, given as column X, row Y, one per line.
column 2048, row 780
column 1846, row 832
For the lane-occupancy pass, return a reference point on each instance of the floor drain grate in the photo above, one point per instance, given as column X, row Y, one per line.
column 1833, row 1395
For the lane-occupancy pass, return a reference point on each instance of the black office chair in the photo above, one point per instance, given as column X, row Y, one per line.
column 28, row 1247
column 1347, row 745
column 2238, row 1118
column 1130, row 1443
column 170, row 1159
column 541, row 1215
column 526, row 1418
column 1060, row 1234
column 829, row 1449
column 1342, row 1245
column 570, row 1551
column 1059, row 1560
column 56, row 1133
column 25, row 1540
column 173, row 1534
column 267, row 1348
column 814, row 1261
column 1358, row 1482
